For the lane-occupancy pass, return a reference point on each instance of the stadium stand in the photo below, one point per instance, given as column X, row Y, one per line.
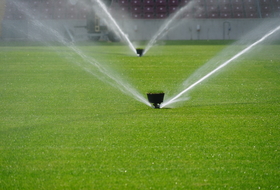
column 147, row 9
column 47, row 9
column 172, row 9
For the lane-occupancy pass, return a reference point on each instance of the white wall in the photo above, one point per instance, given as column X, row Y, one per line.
column 187, row 29
column 137, row 29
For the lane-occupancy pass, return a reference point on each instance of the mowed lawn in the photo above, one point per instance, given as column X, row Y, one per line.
column 63, row 127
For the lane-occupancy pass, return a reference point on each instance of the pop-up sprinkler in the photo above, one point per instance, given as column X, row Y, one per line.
column 139, row 52
column 156, row 99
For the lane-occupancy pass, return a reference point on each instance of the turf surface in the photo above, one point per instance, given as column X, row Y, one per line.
column 63, row 128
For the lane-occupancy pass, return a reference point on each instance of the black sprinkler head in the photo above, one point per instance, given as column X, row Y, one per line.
column 139, row 52
column 156, row 99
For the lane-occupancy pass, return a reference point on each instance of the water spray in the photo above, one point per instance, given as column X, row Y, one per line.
column 101, row 72
column 164, row 28
column 175, row 98
column 115, row 24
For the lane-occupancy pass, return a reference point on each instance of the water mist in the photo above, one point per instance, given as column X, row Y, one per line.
column 179, row 96
column 112, row 23
column 100, row 71
column 164, row 28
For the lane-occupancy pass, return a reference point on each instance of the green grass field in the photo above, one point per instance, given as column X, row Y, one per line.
column 63, row 128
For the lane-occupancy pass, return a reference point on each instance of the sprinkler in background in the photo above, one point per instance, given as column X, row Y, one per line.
column 155, row 98
column 139, row 52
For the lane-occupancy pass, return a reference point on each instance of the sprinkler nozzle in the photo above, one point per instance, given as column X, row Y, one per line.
column 156, row 99
column 139, row 52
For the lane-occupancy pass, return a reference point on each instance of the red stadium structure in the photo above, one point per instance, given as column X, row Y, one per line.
column 138, row 10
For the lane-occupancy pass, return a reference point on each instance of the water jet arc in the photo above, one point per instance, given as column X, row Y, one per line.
column 115, row 25
column 175, row 98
